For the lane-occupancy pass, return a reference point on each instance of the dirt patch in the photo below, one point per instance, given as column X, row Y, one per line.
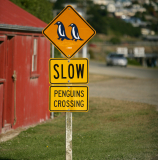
column 96, row 78
column 15, row 132
column 10, row 134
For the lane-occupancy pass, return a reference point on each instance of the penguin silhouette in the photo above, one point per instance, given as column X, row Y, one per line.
column 61, row 31
column 74, row 32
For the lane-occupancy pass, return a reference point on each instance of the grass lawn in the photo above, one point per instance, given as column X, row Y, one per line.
column 112, row 129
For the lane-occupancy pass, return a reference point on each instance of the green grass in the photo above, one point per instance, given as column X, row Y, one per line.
column 111, row 130
column 133, row 62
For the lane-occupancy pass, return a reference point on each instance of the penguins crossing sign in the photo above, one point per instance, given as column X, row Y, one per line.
column 68, row 98
column 69, row 32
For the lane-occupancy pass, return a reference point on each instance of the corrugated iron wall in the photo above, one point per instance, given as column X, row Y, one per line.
column 30, row 94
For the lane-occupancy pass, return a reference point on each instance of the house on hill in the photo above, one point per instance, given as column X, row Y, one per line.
column 103, row 2
column 24, row 55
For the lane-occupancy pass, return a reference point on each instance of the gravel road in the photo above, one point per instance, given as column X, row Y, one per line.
column 130, row 86
column 130, row 71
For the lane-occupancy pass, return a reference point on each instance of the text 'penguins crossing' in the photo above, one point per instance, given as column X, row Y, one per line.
column 64, row 98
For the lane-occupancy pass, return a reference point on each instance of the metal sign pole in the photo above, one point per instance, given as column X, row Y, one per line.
column 68, row 135
column 52, row 113
column 84, row 51
column 53, row 52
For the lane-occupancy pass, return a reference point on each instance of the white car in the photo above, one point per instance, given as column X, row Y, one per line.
column 115, row 59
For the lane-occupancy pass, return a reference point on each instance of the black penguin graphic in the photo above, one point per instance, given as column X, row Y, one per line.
column 61, row 31
column 74, row 32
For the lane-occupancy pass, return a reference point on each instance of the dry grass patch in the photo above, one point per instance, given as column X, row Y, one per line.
column 97, row 77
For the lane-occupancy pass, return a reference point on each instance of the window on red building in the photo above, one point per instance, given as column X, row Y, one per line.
column 34, row 58
column 34, row 55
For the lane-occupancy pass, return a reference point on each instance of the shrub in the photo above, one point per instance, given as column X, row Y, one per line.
column 91, row 53
column 115, row 40
column 133, row 62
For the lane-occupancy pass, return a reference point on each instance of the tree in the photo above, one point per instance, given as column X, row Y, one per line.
column 98, row 19
column 41, row 9
column 59, row 3
column 120, row 27
column 104, row 24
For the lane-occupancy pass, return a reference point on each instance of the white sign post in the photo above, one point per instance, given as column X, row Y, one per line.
column 53, row 55
column 68, row 135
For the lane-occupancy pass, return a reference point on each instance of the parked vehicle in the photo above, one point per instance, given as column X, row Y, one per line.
column 115, row 59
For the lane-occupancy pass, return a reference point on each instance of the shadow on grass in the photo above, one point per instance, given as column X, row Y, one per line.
column 155, row 158
column 4, row 158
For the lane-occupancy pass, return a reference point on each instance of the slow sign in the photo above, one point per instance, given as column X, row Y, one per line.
column 68, row 98
column 63, row 71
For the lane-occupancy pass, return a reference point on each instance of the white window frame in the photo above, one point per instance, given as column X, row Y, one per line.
column 34, row 55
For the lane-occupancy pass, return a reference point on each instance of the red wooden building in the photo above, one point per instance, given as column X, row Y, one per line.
column 24, row 55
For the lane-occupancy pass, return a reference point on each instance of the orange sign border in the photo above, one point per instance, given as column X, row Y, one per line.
column 54, row 42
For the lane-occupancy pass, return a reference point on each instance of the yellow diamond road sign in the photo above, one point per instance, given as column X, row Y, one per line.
column 64, row 71
column 69, row 31
column 68, row 99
